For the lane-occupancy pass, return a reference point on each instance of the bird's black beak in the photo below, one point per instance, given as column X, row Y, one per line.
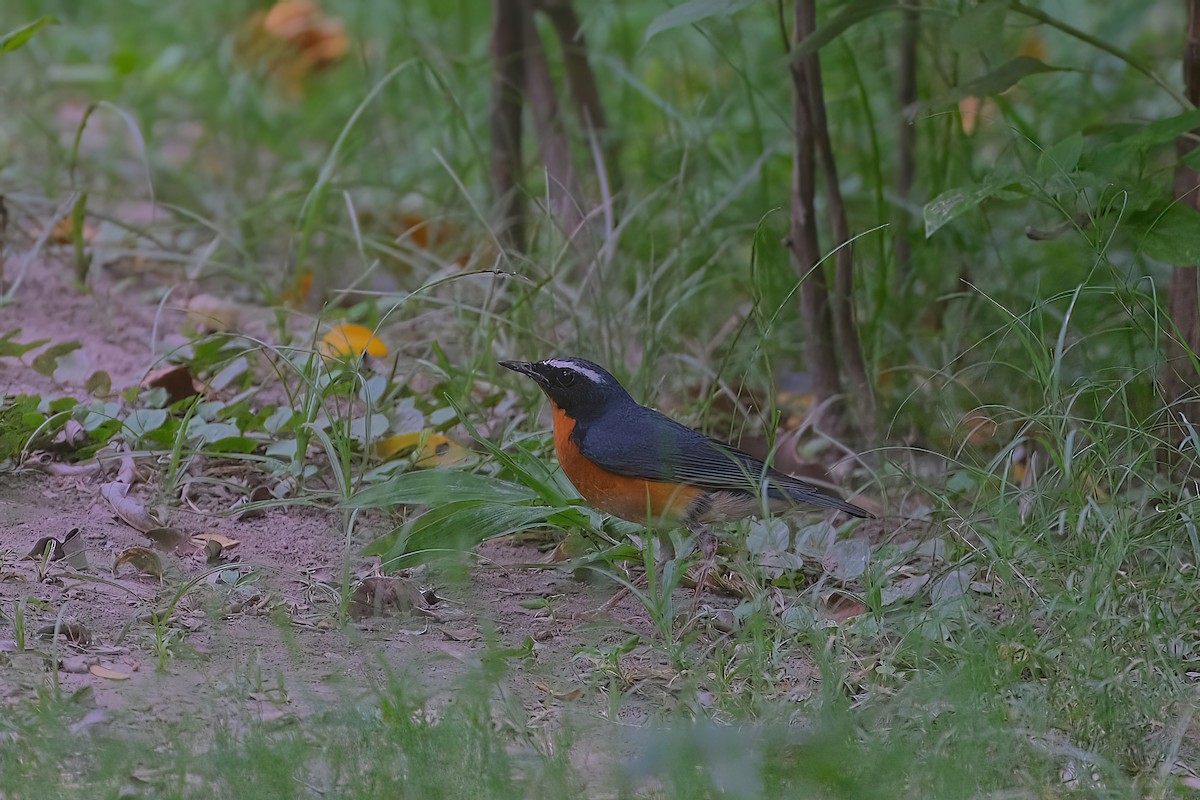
column 525, row 368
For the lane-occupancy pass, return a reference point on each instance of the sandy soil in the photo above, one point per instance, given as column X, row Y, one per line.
column 273, row 649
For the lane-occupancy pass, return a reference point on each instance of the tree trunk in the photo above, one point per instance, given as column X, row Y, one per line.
column 1180, row 379
column 508, row 81
column 806, row 251
column 906, row 144
column 582, row 81
column 846, row 330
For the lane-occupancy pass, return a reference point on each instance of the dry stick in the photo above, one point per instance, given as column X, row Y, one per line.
column 806, row 253
column 906, row 144
column 556, row 149
column 1183, row 343
column 508, row 81
column 846, row 331
column 582, row 82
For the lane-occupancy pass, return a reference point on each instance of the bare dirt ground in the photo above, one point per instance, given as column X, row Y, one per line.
column 272, row 649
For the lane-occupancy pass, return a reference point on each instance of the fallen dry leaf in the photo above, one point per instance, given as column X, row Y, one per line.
column 176, row 381
column 348, row 340
column 71, row 631
column 206, row 313
column 142, row 559
column 38, row 551
column 132, row 513
column 165, row 538
column 840, row 606
column 71, row 548
column 101, row 671
column 201, row 539
column 378, row 594
column 435, row 450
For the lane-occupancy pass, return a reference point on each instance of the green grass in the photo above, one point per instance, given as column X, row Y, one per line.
column 1051, row 652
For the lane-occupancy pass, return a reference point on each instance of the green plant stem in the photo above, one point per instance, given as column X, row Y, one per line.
column 1100, row 44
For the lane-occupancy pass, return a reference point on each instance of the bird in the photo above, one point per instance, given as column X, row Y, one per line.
column 638, row 464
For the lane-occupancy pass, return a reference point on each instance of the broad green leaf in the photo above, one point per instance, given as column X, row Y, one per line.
column 768, row 536
column 458, row 527
column 690, row 13
column 14, row 349
column 851, row 14
column 847, row 559
column 998, row 80
column 1170, row 234
column 1063, row 157
column 432, row 487
column 144, row 420
column 98, row 384
column 210, row 432
column 14, row 39
column 1164, row 131
column 232, row 444
column 978, row 27
column 954, row 203
column 952, row 585
column 46, row 362
column 229, row 373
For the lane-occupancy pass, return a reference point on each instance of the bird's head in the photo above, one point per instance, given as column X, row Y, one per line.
column 582, row 390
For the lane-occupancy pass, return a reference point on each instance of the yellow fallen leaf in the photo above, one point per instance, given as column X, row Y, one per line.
column 142, row 559
column 436, row 450
column 101, row 671
column 351, row 340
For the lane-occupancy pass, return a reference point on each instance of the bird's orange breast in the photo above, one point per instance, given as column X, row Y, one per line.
column 634, row 499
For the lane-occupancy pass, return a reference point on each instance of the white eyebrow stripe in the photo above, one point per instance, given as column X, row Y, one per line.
column 590, row 374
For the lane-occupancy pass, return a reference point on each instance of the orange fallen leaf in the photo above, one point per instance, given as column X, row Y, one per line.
column 298, row 292
column 348, row 340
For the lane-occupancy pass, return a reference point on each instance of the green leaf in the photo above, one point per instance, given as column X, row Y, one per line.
column 978, row 27
column 951, row 204
column 14, row 39
column 1164, row 131
column 1062, row 157
column 232, row 444
column 432, row 487
column 144, row 420
column 998, row 80
column 98, row 384
column 458, row 527
column 1170, row 234
column 14, row 349
column 851, row 14
column 690, row 13
column 46, row 361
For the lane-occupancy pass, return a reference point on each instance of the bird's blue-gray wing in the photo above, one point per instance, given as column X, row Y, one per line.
column 641, row 443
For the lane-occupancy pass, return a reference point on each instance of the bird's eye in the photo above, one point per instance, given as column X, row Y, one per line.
column 566, row 378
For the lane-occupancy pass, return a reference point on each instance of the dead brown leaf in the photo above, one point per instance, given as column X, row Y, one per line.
column 176, row 381
column 839, row 606
column 376, row 595
column 71, row 631
column 165, row 538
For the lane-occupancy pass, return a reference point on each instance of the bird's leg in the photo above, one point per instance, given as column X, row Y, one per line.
column 638, row 582
column 706, row 543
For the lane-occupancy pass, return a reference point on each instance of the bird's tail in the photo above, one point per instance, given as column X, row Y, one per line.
column 814, row 496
